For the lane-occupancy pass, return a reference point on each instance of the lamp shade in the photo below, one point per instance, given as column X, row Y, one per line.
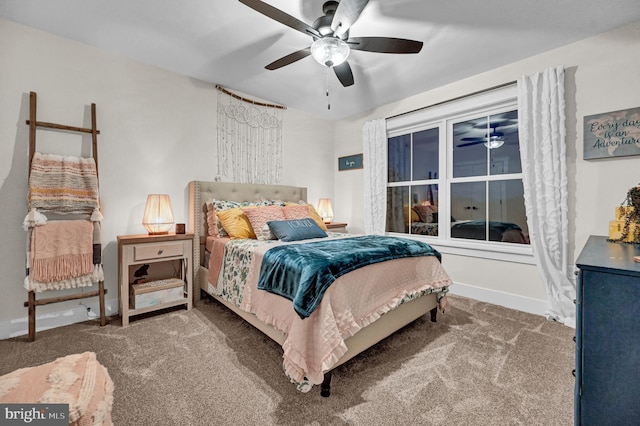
column 324, row 210
column 158, row 215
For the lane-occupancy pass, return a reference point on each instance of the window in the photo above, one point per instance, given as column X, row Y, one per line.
column 455, row 173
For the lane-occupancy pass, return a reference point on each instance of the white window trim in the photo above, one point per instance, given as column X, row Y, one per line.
column 448, row 113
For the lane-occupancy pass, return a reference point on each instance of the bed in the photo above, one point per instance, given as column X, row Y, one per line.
column 366, row 323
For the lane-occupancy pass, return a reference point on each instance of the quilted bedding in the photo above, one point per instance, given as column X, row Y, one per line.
column 303, row 272
column 314, row 345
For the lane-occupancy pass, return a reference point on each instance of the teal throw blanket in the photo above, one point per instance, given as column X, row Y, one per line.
column 303, row 272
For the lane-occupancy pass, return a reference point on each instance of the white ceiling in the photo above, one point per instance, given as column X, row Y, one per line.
column 227, row 43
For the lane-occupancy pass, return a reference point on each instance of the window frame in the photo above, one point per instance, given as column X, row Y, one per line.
column 443, row 116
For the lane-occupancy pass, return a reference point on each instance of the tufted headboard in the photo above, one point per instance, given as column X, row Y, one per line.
column 201, row 191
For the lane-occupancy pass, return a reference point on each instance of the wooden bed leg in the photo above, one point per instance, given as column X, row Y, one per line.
column 32, row 316
column 101, row 292
column 434, row 314
column 325, row 387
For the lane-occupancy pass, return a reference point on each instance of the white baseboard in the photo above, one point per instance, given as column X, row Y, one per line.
column 20, row 326
column 512, row 301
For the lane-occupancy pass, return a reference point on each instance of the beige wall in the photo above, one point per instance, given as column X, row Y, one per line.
column 158, row 132
column 601, row 75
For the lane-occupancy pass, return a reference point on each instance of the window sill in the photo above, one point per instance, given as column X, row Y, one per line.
column 506, row 252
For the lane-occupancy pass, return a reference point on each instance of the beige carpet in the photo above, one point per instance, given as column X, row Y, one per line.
column 480, row 364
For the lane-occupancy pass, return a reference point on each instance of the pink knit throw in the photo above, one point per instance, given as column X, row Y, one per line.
column 61, row 250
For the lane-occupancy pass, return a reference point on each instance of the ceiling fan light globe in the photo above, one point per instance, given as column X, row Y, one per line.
column 330, row 51
column 494, row 142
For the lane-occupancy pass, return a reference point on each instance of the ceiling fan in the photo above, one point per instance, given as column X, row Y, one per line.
column 491, row 139
column 330, row 33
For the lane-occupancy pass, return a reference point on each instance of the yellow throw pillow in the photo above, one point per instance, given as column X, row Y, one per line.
column 414, row 216
column 236, row 223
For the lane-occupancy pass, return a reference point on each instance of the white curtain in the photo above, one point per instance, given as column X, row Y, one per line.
column 541, row 111
column 374, row 148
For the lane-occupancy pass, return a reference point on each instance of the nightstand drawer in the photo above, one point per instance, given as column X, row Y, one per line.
column 336, row 227
column 158, row 251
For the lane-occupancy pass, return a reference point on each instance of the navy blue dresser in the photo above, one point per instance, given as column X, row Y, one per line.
column 608, row 334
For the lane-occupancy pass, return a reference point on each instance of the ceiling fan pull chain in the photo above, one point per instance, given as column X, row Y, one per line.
column 328, row 98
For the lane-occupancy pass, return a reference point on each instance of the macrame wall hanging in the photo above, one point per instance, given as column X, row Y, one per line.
column 249, row 139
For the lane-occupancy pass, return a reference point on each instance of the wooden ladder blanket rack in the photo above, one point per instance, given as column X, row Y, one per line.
column 32, row 302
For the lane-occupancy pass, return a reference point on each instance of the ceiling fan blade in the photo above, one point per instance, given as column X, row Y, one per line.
column 280, row 16
column 346, row 14
column 289, row 59
column 385, row 44
column 495, row 124
column 344, row 74
column 462, row 145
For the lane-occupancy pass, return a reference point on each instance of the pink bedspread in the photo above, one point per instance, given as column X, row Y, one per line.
column 355, row 300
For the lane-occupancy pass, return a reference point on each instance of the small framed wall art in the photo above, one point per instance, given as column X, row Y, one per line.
column 612, row 134
column 350, row 162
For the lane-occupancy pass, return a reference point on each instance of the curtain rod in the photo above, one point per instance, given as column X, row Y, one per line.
column 233, row 95
column 499, row 86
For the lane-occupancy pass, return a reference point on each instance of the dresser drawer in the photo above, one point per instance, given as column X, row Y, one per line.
column 157, row 251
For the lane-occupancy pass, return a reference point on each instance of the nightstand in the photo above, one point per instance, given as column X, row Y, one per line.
column 336, row 227
column 154, row 272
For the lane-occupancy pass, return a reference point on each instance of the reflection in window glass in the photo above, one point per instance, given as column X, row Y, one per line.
column 469, row 210
column 469, row 152
column 497, row 134
column 479, row 180
column 505, row 158
column 468, row 201
column 507, row 210
column 399, row 156
column 425, row 154
column 398, row 209
column 424, row 203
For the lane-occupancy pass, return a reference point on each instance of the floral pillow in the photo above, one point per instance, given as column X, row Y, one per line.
column 214, row 206
column 261, row 201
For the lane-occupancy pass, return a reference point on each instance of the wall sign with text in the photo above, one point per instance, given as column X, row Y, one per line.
column 350, row 162
column 612, row 134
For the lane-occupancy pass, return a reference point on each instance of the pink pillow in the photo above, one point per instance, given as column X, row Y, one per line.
column 212, row 220
column 425, row 213
column 258, row 217
column 303, row 211
column 298, row 211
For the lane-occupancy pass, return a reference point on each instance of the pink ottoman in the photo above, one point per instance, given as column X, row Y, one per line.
column 78, row 380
